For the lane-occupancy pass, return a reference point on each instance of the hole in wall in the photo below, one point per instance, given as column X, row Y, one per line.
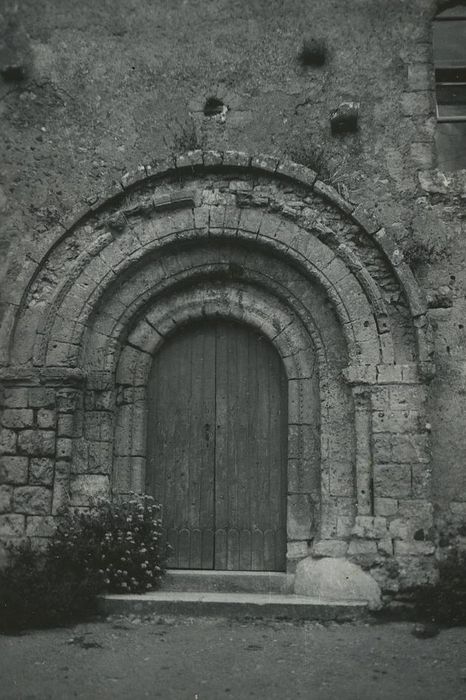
column 344, row 119
column 13, row 73
column 214, row 107
column 313, row 52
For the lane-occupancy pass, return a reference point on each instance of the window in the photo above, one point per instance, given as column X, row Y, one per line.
column 449, row 36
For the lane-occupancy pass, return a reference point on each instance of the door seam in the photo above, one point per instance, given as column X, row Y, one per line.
column 214, row 489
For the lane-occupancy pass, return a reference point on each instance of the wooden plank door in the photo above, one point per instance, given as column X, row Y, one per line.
column 181, row 445
column 217, row 448
column 250, row 452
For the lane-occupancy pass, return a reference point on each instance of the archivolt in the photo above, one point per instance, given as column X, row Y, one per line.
column 346, row 279
column 60, row 337
column 288, row 335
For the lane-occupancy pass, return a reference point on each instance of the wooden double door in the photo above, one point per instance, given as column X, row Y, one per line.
column 217, row 448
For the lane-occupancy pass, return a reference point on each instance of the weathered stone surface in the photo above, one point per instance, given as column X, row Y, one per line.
column 367, row 527
column 86, row 486
column 417, row 571
column 410, row 448
column 32, row 500
column 297, row 550
column 434, row 181
column 7, row 442
column 406, row 548
column 64, row 448
column 399, row 529
column 15, row 397
column 330, row 548
column 421, row 155
column 396, row 421
column 392, row 480
column 302, row 477
column 61, row 486
column 341, row 478
column 41, row 397
column 421, row 480
column 46, row 418
column 344, row 525
column 336, row 579
column 405, row 397
column 13, row 470
column 17, row 418
column 100, row 457
column 385, row 546
column 382, row 448
column 458, row 507
column 385, row 506
column 67, row 400
column 415, row 103
column 418, row 512
column 40, row 525
column 419, row 76
column 37, row 442
column 302, row 443
column 12, row 525
column 360, row 546
column 98, row 425
column 66, row 427
column 41, row 471
column 300, row 517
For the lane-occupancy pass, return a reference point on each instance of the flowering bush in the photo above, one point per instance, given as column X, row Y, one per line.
column 117, row 544
column 110, row 547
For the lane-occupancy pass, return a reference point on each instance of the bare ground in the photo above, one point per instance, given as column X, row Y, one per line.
column 210, row 659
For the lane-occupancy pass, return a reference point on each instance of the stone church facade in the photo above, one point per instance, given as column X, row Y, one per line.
column 323, row 268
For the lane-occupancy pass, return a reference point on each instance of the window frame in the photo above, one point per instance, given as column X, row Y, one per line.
column 453, row 119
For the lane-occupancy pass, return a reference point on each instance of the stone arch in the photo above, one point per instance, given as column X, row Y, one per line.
column 359, row 318
column 21, row 285
column 130, row 345
column 78, row 310
column 304, row 472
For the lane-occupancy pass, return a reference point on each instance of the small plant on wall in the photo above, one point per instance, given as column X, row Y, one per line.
column 183, row 136
column 110, row 547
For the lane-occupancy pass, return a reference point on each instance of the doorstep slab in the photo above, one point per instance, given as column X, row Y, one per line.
column 215, row 604
column 227, row 581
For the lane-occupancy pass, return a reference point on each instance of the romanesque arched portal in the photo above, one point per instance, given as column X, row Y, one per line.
column 226, row 237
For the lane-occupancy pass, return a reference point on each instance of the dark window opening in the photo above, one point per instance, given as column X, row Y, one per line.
column 449, row 44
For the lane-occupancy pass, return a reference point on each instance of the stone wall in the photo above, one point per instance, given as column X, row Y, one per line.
column 36, row 453
column 110, row 92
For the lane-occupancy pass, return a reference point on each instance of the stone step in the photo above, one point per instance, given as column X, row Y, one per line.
column 225, row 604
column 227, row 581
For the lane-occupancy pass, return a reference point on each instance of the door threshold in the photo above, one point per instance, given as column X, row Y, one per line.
column 228, row 581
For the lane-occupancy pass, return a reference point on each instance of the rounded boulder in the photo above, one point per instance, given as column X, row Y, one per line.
column 336, row 580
